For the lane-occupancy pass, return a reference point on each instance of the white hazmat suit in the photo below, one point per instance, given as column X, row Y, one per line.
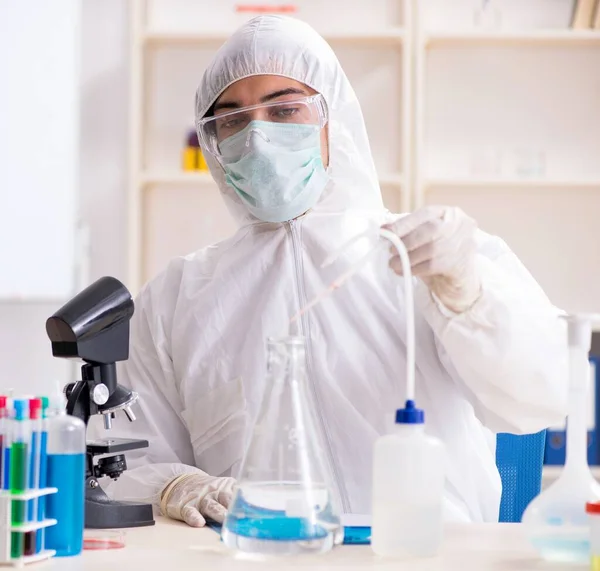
column 197, row 356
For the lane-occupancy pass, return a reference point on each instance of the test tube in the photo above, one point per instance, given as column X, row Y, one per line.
column 3, row 440
column 7, row 445
column 41, row 506
column 19, row 460
column 35, row 422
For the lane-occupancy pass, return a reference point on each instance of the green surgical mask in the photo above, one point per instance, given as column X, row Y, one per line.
column 275, row 168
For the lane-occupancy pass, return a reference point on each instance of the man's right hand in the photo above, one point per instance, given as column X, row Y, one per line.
column 194, row 498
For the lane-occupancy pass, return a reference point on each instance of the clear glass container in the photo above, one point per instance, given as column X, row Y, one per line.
column 286, row 502
column 556, row 521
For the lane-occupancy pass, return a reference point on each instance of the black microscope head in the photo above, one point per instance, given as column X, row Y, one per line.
column 94, row 325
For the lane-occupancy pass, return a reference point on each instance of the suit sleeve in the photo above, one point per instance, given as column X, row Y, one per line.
column 149, row 372
column 508, row 352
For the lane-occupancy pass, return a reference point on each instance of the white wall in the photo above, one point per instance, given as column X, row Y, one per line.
column 26, row 362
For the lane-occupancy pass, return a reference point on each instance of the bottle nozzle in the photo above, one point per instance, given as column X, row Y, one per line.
column 410, row 414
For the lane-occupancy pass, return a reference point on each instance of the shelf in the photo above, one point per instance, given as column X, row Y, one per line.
column 176, row 179
column 499, row 183
column 34, row 300
column 33, row 526
column 391, row 36
column 205, row 178
column 29, row 494
column 391, row 180
column 21, row 561
column 520, row 38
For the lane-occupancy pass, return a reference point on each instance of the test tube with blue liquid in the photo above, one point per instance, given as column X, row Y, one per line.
column 41, row 505
column 35, row 419
column 4, row 439
column 19, row 471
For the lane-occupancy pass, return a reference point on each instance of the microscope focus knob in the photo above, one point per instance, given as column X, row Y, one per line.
column 100, row 394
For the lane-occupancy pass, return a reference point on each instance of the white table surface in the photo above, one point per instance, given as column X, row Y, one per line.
column 172, row 546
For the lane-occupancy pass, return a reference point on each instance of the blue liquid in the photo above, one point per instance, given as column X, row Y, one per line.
column 276, row 528
column 253, row 528
column 563, row 550
column 35, row 436
column 6, row 467
column 41, row 507
column 31, row 537
column 67, row 473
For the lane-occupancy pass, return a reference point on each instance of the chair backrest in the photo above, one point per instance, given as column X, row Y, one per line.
column 520, row 461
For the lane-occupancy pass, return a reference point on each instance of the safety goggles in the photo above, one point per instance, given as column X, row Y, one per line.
column 310, row 110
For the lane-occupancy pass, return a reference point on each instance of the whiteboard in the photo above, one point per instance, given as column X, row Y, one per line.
column 39, row 131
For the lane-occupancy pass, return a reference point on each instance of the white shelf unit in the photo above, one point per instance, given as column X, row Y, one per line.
column 504, row 123
column 204, row 178
column 391, row 36
column 521, row 38
column 495, row 184
column 7, row 527
column 507, row 127
column 172, row 212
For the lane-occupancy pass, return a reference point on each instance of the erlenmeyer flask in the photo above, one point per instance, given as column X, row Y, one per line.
column 286, row 501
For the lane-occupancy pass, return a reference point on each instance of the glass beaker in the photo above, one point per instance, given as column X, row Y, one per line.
column 286, row 500
column 556, row 521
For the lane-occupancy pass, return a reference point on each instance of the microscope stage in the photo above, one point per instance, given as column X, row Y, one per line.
column 111, row 445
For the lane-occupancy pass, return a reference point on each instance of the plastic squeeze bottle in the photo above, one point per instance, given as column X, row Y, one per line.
column 65, row 471
column 408, row 489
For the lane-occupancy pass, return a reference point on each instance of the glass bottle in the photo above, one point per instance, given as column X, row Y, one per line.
column 286, row 500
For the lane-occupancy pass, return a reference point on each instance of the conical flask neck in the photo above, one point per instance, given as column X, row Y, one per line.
column 286, row 359
column 579, row 379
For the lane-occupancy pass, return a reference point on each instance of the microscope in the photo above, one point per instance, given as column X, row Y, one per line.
column 94, row 327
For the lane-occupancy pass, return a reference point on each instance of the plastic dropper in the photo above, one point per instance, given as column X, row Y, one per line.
column 408, row 295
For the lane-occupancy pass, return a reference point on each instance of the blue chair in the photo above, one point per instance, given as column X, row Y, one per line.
column 520, row 460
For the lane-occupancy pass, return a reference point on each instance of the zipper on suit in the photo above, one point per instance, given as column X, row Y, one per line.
column 305, row 331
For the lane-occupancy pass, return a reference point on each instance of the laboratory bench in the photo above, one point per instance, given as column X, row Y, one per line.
column 172, row 546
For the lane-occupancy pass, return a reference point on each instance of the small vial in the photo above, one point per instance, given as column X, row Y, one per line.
column 35, row 419
column 41, row 506
column 6, row 445
column 190, row 152
column 3, row 441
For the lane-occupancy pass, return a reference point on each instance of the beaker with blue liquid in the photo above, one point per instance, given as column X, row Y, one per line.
column 286, row 502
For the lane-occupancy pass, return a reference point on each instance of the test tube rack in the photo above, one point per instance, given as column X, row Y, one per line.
column 6, row 527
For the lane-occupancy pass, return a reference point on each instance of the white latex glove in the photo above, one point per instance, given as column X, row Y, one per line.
column 441, row 246
column 193, row 498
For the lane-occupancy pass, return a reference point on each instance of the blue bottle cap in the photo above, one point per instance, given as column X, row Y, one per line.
column 21, row 407
column 410, row 414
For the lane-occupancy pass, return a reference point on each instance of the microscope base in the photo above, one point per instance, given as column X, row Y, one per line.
column 103, row 513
